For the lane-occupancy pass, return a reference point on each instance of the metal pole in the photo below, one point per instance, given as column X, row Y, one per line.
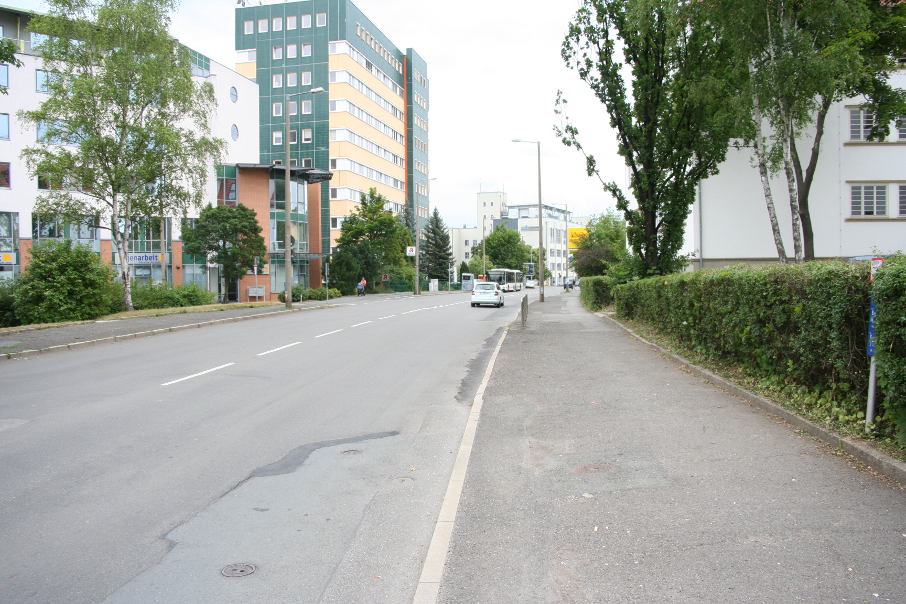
column 870, row 410
column 327, row 276
column 418, row 252
column 484, row 249
column 540, row 227
column 287, row 222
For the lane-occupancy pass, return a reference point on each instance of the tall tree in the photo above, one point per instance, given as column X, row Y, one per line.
column 229, row 236
column 374, row 235
column 674, row 124
column 603, row 243
column 8, row 56
column 802, row 57
column 504, row 248
column 438, row 256
column 123, row 121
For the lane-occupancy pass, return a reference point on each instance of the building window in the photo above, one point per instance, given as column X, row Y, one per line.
column 292, row 141
column 306, row 50
column 321, row 19
column 903, row 201
column 234, row 94
column 291, row 78
column 277, row 110
column 307, row 162
column 291, row 22
column 306, row 78
column 466, row 243
column 4, row 75
column 4, row 175
column 467, row 255
column 277, row 137
column 901, row 128
column 9, row 223
column 869, row 200
column 4, row 126
column 226, row 185
column 277, row 24
column 336, row 222
column 306, row 135
column 46, row 229
column 277, row 80
column 234, row 132
column 860, row 124
column 291, row 51
column 277, row 52
column 248, row 27
column 306, row 107
column 262, row 26
column 293, row 107
column 306, row 21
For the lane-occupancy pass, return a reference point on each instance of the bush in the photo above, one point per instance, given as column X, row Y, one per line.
column 596, row 292
column 8, row 303
column 796, row 326
column 318, row 293
column 890, row 348
column 63, row 282
column 167, row 296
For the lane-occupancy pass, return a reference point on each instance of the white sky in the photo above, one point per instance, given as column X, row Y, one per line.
column 494, row 68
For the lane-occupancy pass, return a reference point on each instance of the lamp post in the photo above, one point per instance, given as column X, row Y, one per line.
column 540, row 222
column 287, row 194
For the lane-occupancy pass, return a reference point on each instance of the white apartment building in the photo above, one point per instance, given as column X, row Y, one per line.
column 489, row 206
column 235, row 120
column 857, row 201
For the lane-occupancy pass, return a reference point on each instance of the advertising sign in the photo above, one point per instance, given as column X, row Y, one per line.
column 410, row 250
column 574, row 234
column 7, row 258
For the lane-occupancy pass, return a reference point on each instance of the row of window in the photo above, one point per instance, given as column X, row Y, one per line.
column 420, row 100
column 292, row 106
column 419, row 78
column 346, row 77
column 873, row 200
column 345, row 193
column 344, row 135
column 861, row 122
column 421, row 166
column 276, row 23
column 342, row 105
column 420, row 144
column 344, row 48
column 371, row 41
column 277, row 136
column 344, row 163
column 421, row 122
column 292, row 51
column 292, row 79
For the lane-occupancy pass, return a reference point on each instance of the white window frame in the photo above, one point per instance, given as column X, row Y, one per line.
column 291, row 78
column 306, row 107
column 277, row 109
column 277, row 137
column 878, row 195
column 293, row 107
column 321, row 19
column 277, row 80
column 291, row 51
column 306, row 50
column 262, row 26
column 277, row 53
column 277, row 24
column 306, row 78
column 902, row 201
column 5, row 117
column 307, row 162
column 860, row 124
column 306, row 135
column 901, row 130
column 248, row 26
column 291, row 22
column 293, row 137
column 305, row 22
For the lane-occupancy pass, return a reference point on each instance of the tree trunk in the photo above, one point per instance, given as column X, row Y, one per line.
column 763, row 172
column 792, row 189
column 122, row 248
column 804, row 182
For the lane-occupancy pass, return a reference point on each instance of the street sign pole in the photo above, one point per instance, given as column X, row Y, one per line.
column 870, row 349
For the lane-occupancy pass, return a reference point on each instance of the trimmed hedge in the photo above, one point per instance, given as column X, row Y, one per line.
column 596, row 292
column 301, row 293
column 801, row 324
column 168, row 296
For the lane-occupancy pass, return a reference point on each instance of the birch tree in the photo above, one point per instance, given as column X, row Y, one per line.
column 124, row 126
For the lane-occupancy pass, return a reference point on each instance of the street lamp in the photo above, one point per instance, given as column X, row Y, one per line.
column 540, row 223
column 287, row 194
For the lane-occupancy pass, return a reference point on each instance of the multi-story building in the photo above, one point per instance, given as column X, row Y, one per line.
column 490, row 206
column 357, row 105
column 857, row 200
column 155, row 256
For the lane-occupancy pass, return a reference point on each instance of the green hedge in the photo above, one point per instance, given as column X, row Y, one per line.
column 301, row 293
column 596, row 292
column 890, row 349
column 803, row 324
column 167, row 296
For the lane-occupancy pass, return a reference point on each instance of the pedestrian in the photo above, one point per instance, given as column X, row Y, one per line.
column 361, row 286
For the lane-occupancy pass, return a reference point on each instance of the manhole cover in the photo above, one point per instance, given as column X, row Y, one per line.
column 351, row 452
column 237, row 570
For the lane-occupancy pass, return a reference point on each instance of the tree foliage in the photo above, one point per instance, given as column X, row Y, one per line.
column 602, row 245
column 374, row 235
column 64, row 281
column 131, row 120
column 8, row 56
column 673, row 125
column 229, row 236
column 504, row 248
column 438, row 256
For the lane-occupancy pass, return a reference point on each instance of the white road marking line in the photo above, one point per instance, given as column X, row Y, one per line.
column 194, row 375
column 410, row 311
column 261, row 354
column 328, row 333
column 362, row 323
column 387, row 317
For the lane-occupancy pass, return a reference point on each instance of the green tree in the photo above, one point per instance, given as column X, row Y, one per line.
column 134, row 121
column 438, row 257
column 672, row 127
column 602, row 245
column 464, row 268
column 229, row 236
column 64, row 281
column 505, row 249
column 371, row 223
column 800, row 58
column 8, row 56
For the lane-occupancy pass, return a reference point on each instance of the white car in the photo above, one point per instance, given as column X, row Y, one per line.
column 531, row 283
column 487, row 293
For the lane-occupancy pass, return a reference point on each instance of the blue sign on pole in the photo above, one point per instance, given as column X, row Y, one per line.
column 870, row 348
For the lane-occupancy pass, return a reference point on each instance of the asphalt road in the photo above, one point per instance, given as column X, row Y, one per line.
column 315, row 446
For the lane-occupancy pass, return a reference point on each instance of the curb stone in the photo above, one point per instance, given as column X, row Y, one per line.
column 871, row 457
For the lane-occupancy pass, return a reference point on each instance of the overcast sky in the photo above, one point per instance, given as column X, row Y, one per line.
column 494, row 68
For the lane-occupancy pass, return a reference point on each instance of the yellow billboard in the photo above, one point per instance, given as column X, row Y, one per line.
column 574, row 234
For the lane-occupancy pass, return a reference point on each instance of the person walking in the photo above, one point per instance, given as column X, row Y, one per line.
column 361, row 286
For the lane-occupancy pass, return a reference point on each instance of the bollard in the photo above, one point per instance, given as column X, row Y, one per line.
column 524, row 309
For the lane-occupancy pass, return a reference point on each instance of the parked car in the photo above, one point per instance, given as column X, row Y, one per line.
column 530, row 282
column 486, row 292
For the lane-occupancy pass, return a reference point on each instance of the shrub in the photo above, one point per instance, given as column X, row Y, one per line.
column 297, row 294
column 8, row 303
column 596, row 292
column 63, row 282
column 167, row 296
column 890, row 348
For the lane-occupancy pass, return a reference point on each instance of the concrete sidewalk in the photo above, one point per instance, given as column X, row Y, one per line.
column 603, row 471
column 24, row 340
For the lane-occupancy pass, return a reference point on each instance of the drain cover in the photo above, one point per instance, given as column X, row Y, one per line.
column 240, row 569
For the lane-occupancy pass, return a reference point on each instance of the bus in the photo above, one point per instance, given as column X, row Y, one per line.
column 468, row 282
column 508, row 279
